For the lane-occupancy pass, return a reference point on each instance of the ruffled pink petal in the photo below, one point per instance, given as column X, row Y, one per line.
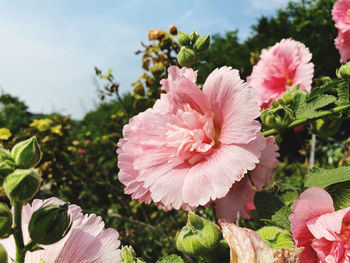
column 287, row 63
column 234, row 104
column 311, row 204
column 239, row 195
column 341, row 15
column 342, row 43
column 268, row 162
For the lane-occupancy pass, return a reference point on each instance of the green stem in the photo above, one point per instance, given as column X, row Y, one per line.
column 302, row 121
column 17, row 232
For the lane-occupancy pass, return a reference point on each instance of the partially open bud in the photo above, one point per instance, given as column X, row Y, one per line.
column 22, row 185
column 26, row 154
column 344, row 71
column 186, row 57
column 193, row 36
column 3, row 255
column 5, row 221
column 278, row 117
column 201, row 44
column 183, row 39
column 198, row 237
column 49, row 224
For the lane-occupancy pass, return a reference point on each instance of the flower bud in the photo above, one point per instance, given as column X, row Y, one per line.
column 5, row 221
column 3, row 255
column 193, row 36
column 128, row 255
column 201, row 44
column 22, row 185
column 344, row 71
column 277, row 118
column 49, row 224
column 326, row 127
column 5, row 154
column 289, row 96
column 186, row 57
column 26, row 154
column 6, row 167
column 198, row 237
column 173, row 30
column 183, row 39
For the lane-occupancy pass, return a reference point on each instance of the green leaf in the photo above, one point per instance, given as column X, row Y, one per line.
column 275, row 237
column 340, row 194
column 266, row 204
column 343, row 93
column 280, row 218
column 308, row 109
column 170, row 259
column 322, row 177
column 328, row 87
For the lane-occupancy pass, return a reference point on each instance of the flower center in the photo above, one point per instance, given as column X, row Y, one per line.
column 191, row 134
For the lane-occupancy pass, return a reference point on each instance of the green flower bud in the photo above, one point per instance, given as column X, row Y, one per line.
column 49, row 224
column 289, row 96
column 186, row 57
column 26, row 154
column 5, row 221
column 198, row 237
column 201, row 44
column 5, row 155
column 3, row 255
column 344, row 71
column 128, row 255
column 6, row 167
column 193, row 36
column 277, row 118
column 183, row 39
column 325, row 128
column 22, row 185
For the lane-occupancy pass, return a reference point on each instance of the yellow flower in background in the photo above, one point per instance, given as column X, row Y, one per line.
column 41, row 124
column 5, row 134
column 57, row 129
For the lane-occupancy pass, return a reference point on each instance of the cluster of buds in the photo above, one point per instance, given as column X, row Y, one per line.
column 21, row 182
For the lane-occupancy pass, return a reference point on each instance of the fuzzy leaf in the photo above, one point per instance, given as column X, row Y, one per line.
column 308, row 109
column 280, row 218
column 343, row 93
column 322, row 177
column 275, row 237
column 266, row 204
column 340, row 194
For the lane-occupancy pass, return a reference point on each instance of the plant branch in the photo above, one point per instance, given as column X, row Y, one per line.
column 17, row 232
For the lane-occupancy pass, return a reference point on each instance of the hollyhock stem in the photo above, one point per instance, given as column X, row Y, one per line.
column 302, row 121
column 17, row 233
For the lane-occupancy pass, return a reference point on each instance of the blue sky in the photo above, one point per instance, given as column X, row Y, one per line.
column 48, row 49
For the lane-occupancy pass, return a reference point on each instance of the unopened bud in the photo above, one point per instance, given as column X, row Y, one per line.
column 173, row 30
column 289, row 96
column 198, row 237
column 201, row 44
column 6, row 167
column 26, row 154
column 3, row 255
column 186, row 57
column 22, row 185
column 49, row 224
column 183, row 39
column 344, row 71
column 193, row 36
column 5, row 221
column 5, row 154
column 277, row 118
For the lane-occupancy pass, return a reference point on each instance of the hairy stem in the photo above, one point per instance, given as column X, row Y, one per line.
column 302, row 121
column 17, row 232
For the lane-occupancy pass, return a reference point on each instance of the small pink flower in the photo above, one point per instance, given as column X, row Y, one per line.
column 81, row 151
column 193, row 145
column 341, row 15
column 247, row 247
column 323, row 232
column 87, row 141
column 242, row 193
column 287, row 63
column 342, row 43
column 87, row 241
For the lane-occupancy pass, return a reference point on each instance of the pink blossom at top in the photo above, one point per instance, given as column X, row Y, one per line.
column 341, row 15
column 247, row 247
column 193, row 145
column 287, row 63
column 323, row 232
column 242, row 193
column 86, row 242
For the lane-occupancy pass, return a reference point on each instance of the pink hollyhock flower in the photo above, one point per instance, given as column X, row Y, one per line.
column 323, row 232
column 86, row 242
column 342, row 43
column 81, row 151
column 193, row 145
column 247, row 247
column 287, row 63
column 341, row 15
column 242, row 192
